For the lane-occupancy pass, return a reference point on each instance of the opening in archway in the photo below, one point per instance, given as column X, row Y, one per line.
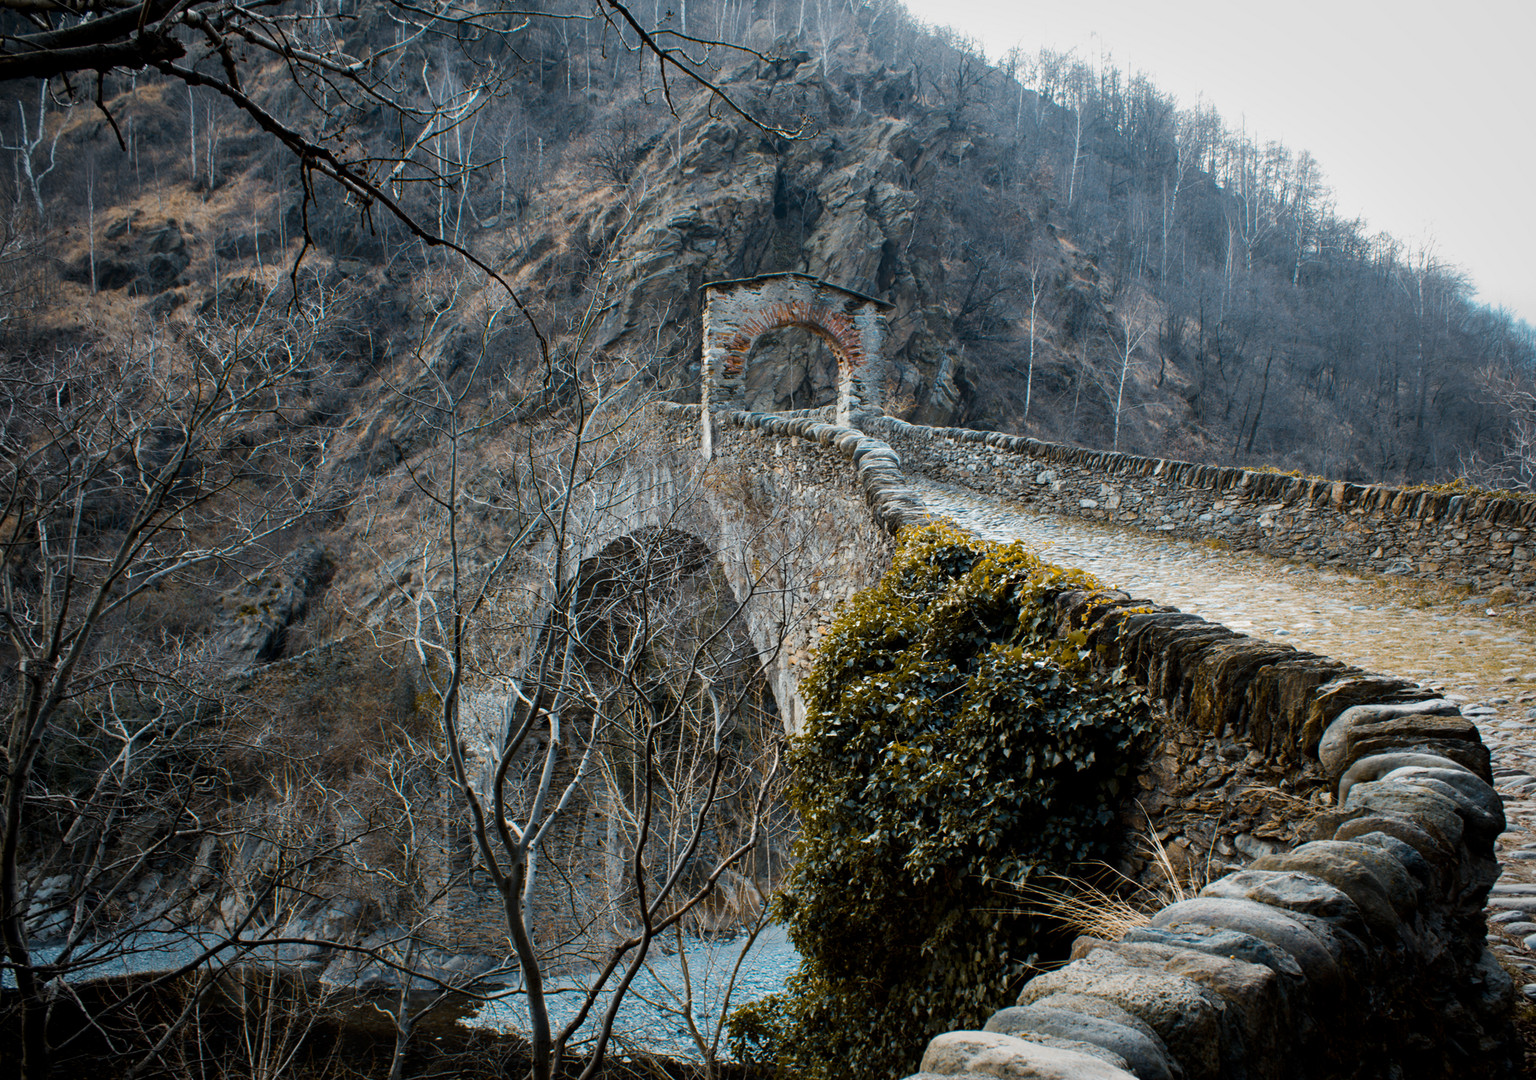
column 738, row 313
column 787, row 369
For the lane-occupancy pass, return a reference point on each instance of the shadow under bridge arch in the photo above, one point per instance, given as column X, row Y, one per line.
column 665, row 635
column 773, row 545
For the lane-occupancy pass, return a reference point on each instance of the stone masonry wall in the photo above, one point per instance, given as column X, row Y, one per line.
column 793, row 499
column 1476, row 541
column 1359, row 953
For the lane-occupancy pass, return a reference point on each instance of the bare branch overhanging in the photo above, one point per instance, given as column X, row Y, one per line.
column 228, row 47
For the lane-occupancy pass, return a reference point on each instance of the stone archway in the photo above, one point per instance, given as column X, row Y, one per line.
column 737, row 313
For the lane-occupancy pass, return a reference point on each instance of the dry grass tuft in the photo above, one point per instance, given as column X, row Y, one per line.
column 1108, row 904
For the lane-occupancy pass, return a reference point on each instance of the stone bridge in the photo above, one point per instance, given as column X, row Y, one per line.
column 789, row 519
column 1350, row 936
column 1350, row 939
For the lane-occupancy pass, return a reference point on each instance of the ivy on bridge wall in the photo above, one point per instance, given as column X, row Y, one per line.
column 956, row 749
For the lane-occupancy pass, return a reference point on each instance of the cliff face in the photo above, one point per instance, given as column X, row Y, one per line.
column 718, row 197
column 854, row 166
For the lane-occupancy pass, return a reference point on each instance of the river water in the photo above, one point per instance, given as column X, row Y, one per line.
column 651, row 1020
column 652, row 1017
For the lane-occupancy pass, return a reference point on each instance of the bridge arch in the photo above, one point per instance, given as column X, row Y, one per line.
column 652, row 509
column 737, row 313
column 666, row 591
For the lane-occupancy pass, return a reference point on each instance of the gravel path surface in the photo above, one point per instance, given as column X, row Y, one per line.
column 1468, row 650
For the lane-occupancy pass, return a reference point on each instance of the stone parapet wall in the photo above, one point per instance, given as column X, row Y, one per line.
column 874, row 464
column 1361, row 953
column 1472, row 540
column 1358, row 955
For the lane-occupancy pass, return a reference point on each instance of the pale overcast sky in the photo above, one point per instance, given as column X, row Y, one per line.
column 1422, row 115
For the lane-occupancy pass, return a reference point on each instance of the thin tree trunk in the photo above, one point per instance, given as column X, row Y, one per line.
column 1034, row 300
column 90, row 217
column 1125, row 367
column 1077, row 147
column 192, row 135
column 213, row 147
column 1258, row 412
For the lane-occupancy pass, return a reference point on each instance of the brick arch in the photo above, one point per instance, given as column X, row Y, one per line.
column 737, row 313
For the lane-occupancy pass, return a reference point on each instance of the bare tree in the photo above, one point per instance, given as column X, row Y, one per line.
column 1036, row 287
column 1190, row 144
column 33, row 136
column 1509, row 390
column 1303, row 209
column 700, row 982
column 1133, row 331
column 128, row 480
column 616, row 150
column 18, row 263
column 587, row 671
column 958, row 81
column 1078, row 89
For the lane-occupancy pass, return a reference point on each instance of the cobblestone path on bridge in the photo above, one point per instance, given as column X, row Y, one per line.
column 1465, row 648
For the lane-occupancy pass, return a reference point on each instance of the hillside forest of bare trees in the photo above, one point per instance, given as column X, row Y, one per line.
column 1086, row 258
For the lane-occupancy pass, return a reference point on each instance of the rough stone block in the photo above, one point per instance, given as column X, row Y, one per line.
column 1427, row 809
column 1378, row 765
column 1089, row 1005
column 1382, row 890
column 1319, row 953
column 1134, row 1042
column 1404, row 854
column 1292, row 889
column 1481, row 804
column 1217, row 941
column 1258, row 1007
column 1492, row 999
column 1172, row 672
column 1434, row 719
column 1186, row 1016
column 1335, row 697
column 988, row 1053
column 1218, row 693
column 1280, row 699
column 1074, row 607
column 1471, row 754
column 1150, row 643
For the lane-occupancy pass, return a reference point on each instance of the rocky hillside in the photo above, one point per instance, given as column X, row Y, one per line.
column 1069, row 254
